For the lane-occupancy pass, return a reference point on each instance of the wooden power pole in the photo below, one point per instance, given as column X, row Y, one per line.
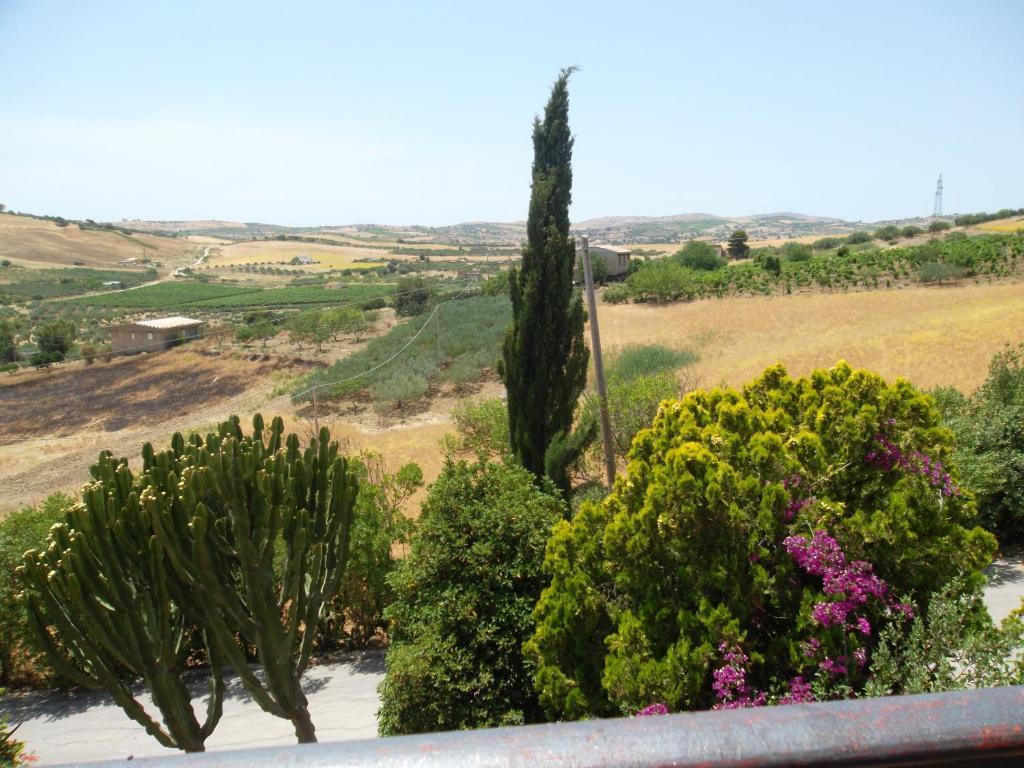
column 595, row 343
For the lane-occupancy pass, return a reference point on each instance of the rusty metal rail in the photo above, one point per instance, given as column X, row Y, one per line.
column 984, row 727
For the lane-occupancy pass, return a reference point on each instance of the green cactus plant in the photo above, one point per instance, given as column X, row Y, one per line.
column 101, row 587
column 257, row 533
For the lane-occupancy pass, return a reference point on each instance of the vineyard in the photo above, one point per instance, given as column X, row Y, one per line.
column 186, row 295
column 18, row 284
column 986, row 258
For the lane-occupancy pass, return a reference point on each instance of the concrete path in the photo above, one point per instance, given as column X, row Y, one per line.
column 87, row 725
column 1005, row 586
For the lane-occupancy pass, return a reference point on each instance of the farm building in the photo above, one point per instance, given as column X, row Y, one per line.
column 152, row 335
column 615, row 256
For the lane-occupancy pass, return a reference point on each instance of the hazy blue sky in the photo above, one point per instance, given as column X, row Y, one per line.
column 420, row 112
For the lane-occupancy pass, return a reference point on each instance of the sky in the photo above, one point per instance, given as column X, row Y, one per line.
column 316, row 113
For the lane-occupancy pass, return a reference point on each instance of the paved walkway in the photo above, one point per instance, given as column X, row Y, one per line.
column 87, row 725
column 1005, row 586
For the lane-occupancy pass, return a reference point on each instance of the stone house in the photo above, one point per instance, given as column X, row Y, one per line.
column 153, row 335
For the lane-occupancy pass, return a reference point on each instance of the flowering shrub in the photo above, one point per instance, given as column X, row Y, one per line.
column 751, row 552
column 653, row 709
column 12, row 751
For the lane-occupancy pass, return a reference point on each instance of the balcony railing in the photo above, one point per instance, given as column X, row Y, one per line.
column 984, row 727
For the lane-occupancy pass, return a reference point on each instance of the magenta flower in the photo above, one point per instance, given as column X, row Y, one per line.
column 653, row 709
column 799, row 692
column 730, row 681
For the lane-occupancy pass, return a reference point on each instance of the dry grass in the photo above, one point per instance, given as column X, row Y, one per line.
column 1011, row 225
column 40, row 243
column 277, row 252
column 207, row 240
column 931, row 336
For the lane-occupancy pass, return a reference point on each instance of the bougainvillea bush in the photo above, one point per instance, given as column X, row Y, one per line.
column 754, row 549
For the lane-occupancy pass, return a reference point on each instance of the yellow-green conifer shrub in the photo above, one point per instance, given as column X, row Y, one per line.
column 753, row 548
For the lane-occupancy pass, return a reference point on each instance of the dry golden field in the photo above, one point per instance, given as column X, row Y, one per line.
column 1013, row 224
column 931, row 336
column 278, row 252
column 40, row 243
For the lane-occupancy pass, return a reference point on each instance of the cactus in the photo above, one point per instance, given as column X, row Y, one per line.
column 101, row 587
column 257, row 533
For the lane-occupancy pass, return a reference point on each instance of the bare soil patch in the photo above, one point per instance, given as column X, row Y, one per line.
column 128, row 392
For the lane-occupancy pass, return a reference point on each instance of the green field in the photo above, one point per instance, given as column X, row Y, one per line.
column 213, row 296
column 20, row 284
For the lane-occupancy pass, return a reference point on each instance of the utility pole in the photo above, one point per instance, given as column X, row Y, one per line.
column 595, row 342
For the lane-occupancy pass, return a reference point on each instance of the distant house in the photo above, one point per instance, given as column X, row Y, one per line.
column 303, row 259
column 129, row 261
column 112, row 284
column 615, row 256
column 153, row 335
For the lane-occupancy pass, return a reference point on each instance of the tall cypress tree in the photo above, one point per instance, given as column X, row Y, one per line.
column 544, row 364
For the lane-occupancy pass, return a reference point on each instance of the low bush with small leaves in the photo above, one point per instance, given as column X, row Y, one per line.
column 22, row 662
column 464, row 601
column 951, row 645
column 988, row 429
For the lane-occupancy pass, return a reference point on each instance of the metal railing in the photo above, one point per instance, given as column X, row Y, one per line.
column 983, row 727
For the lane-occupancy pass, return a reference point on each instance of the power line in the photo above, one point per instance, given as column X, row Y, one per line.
column 390, row 359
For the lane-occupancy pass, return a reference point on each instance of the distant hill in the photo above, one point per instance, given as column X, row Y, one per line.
column 616, row 229
column 35, row 241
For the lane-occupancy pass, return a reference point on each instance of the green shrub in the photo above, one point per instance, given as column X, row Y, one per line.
column 691, row 565
column 21, row 659
column 412, row 296
column 855, row 238
column 769, row 261
column 938, row 272
column 793, row 251
column 700, row 255
column 632, row 405
column 482, row 428
column 939, row 226
column 380, row 533
column 616, row 294
column 952, row 646
column 463, row 603
column 496, row 285
column 888, row 232
column 911, row 231
column 637, row 360
column 988, row 430
column 662, row 280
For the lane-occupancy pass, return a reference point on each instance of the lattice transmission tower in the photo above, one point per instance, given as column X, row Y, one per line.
column 938, row 199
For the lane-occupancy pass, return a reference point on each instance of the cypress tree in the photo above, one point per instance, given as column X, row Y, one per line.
column 544, row 364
